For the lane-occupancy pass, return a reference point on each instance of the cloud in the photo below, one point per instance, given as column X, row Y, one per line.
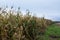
column 49, row 8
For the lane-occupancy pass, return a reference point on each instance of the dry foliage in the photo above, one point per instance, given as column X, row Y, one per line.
column 19, row 27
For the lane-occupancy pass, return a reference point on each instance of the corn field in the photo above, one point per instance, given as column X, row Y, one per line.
column 19, row 27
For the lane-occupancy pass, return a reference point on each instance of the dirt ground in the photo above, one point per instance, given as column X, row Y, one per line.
column 58, row 24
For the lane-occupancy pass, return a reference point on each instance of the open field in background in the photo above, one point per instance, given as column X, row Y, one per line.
column 27, row 27
column 53, row 32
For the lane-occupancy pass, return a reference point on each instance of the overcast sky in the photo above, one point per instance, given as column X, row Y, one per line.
column 48, row 8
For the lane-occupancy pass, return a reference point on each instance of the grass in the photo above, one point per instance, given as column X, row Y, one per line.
column 51, row 30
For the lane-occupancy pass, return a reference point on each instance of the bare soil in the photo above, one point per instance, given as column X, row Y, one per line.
column 58, row 24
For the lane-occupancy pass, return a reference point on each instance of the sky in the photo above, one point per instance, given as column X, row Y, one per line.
column 50, row 9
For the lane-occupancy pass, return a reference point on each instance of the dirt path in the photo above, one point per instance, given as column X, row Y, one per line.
column 58, row 24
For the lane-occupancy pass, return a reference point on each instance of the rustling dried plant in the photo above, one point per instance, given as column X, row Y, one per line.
column 19, row 27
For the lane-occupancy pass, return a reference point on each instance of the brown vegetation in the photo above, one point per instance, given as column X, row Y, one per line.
column 18, row 27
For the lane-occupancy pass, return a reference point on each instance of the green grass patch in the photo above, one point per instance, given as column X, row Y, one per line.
column 51, row 30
